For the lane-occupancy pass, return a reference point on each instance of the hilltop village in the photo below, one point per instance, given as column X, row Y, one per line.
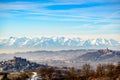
column 18, row 64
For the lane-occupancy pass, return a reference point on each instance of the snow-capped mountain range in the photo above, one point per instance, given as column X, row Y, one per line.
column 55, row 42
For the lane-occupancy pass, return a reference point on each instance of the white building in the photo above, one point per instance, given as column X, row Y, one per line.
column 1, row 69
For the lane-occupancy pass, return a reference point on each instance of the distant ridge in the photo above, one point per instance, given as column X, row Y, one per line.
column 68, row 58
column 101, row 55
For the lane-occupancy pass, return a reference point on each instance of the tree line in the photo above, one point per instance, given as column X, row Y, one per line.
column 86, row 72
column 101, row 72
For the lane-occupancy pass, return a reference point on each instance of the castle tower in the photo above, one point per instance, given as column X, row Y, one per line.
column 106, row 50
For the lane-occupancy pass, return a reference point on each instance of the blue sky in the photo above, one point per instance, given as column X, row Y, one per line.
column 33, row 18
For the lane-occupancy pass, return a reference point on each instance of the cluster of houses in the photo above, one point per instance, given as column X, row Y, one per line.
column 18, row 64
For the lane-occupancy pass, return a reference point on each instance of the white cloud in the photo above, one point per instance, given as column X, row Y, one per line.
column 17, row 6
column 29, row 8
